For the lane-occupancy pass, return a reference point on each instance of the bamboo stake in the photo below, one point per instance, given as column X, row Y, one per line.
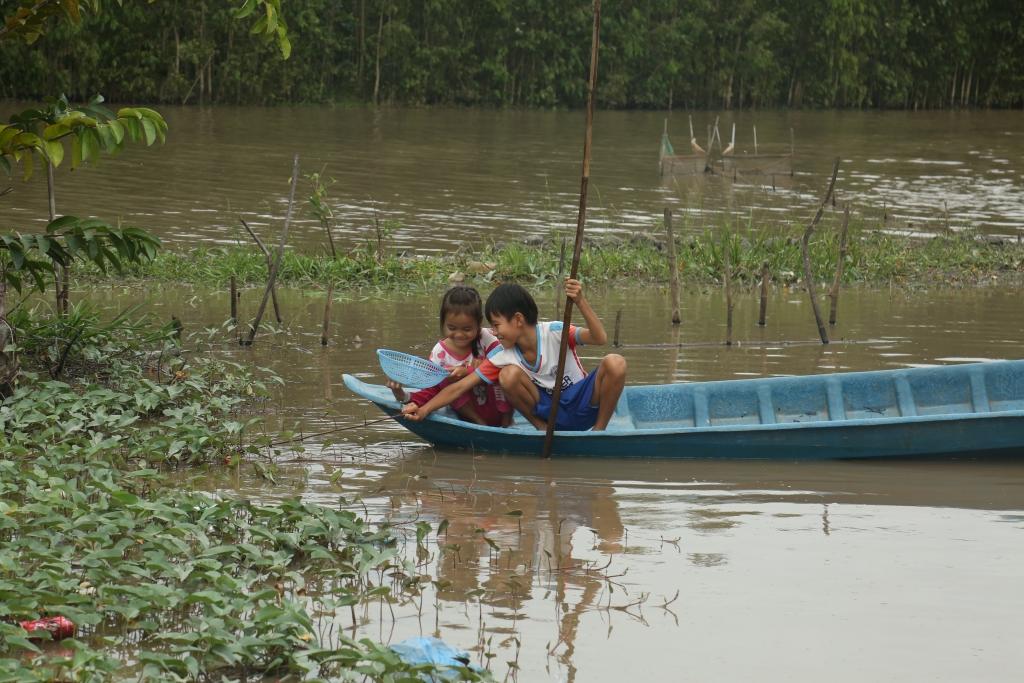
column 673, row 267
column 561, row 276
column 727, row 282
column 755, row 140
column 805, row 249
column 834, row 293
column 234, row 300
column 276, row 265
column 618, row 327
column 580, row 224
column 267, row 258
column 327, row 314
column 765, row 274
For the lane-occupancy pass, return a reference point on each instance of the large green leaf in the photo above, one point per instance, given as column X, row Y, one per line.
column 55, row 152
column 150, row 130
column 90, row 145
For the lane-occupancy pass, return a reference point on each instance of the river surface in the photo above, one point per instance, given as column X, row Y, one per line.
column 610, row 570
column 439, row 179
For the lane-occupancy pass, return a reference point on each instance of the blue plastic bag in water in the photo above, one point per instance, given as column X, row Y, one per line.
column 432, row 651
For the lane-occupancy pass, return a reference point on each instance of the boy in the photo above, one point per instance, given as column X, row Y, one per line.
column 527, row 360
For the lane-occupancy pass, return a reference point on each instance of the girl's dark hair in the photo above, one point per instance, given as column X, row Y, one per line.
column 463, row 299
column 508, row 299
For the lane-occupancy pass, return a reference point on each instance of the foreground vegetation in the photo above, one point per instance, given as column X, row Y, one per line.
column 166, row 584
column 690, row 53
column 873, row 258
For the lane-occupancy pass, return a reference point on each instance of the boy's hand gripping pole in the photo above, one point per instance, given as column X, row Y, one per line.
column 581, row 220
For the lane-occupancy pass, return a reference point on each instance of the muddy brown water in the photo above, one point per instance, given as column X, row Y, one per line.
column 451, row 177
column 667, row 570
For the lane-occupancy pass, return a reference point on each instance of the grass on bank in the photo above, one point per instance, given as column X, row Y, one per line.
column 873, row 258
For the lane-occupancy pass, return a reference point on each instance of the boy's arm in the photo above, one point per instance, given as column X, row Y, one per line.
column 443, row 398
column 593, row 334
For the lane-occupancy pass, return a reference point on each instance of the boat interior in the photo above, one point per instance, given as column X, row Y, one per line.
column 946, row 390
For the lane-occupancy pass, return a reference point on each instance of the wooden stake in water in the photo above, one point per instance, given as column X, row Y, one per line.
column 618, row 328
column 266, row 258
column 580, row 223
column 276, row 265
column 727, row 281
column 834, row 293
column 765, row 274
column 805, row 249
column 234, row 300
column 673, row 267
column 327, row 314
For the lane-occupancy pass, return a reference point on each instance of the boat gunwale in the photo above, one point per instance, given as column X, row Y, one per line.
column 355, row 384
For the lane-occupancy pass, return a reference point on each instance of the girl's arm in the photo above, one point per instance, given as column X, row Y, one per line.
column 593, row 333
column 446, row 396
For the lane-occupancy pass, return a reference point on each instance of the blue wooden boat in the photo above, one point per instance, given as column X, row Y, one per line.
column 971, row 410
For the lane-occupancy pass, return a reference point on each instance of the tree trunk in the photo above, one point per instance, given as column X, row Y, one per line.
column 362, row 44
column 376, row 72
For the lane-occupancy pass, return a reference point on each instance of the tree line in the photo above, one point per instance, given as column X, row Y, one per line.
column 705, row 54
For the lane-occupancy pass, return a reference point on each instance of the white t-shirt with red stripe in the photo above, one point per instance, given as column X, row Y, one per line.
column 542, row 371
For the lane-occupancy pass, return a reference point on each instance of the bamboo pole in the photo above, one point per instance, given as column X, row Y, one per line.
column 673, row 267
column 755, row 140
column 765, row 274
column 276, row 265
column 234, row 300
column 267, row 258
column 805, row 249
column 618, row 328
column 834, row 293
column 580, row 224
column 727, row 283
column 327, row 314
column 561, row 276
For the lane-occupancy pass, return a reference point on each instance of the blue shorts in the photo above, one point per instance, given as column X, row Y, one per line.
column 575, row 413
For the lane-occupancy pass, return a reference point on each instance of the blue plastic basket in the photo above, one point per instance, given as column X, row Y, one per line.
column 410, row 371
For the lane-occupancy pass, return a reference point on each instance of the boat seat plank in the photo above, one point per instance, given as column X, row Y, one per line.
column 905, row 397
column 700, row 408
column 979, row 396
column 834, row 391
column 764, row 404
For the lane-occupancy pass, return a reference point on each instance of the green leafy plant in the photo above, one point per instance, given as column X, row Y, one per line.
column 68, row 239
column 92, row 129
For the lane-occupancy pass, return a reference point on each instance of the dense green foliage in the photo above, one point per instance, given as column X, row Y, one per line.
column 873, row 258
column 692, row 53
column 163, row 583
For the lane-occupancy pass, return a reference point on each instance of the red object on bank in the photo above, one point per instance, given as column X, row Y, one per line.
column 58, row 627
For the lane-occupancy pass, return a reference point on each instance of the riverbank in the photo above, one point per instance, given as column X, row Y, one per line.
column 144, row 579
column 874, row 258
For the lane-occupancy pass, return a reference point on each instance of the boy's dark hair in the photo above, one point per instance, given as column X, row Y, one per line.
column 463, row 299
column 507, row 300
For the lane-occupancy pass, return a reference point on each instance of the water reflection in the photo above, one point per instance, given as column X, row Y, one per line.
column 600, row 569
column 561, row 567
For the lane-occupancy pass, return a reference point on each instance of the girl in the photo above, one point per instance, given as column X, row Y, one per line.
column 465, row 344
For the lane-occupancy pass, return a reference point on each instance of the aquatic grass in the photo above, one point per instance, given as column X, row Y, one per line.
column 874, row 258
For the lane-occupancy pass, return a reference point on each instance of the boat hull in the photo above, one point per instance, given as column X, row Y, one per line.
column 823, row 417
